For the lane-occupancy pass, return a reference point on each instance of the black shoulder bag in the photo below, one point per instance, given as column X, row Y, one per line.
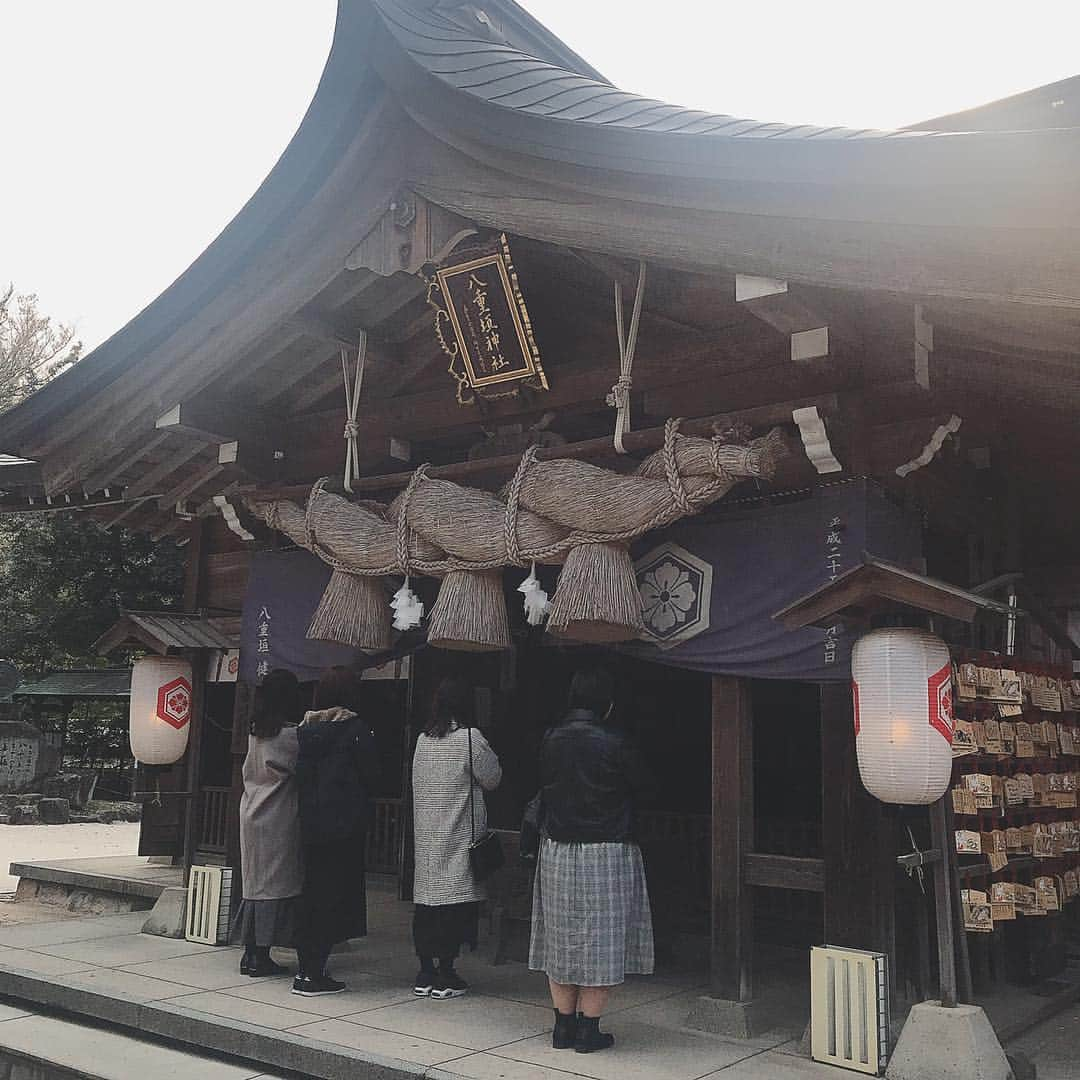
column 486, row 854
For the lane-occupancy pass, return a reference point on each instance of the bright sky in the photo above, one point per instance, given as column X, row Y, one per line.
column 135, row 129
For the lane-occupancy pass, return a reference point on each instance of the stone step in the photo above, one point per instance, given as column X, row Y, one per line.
column 44, row 1047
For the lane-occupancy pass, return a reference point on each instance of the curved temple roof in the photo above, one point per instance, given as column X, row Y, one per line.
column 510, row 129
column 496, row 72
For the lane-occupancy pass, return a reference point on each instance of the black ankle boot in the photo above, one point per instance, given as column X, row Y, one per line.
column 247, row 960
column 565, row 1032
column 589, row 1037
column 261, row 965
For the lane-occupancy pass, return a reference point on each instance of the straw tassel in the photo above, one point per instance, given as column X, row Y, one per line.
column 352, row 611
column 597, row 597
column 470, row 613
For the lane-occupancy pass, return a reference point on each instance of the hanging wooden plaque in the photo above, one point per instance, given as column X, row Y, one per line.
column 483, row 325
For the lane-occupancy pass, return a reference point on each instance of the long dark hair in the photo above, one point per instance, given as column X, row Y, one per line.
column 454, row 703
column 277, row 702
column 339, row 687
column 592, row 688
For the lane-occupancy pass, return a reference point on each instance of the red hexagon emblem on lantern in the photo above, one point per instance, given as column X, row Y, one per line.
column 174, row 702
column 941, row 702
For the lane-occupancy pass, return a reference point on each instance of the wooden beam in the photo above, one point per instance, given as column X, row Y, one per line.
column 732, row 918
column 280, row 382
column 212, row 422
column 250, row 459
column 130, row 508
column 769, row 300
column 120, row 463
column 151, row 480
column 173, row 524
column 324, row 326
column 646, row 440
column 20, row 474
column 190, row 484
column 784, row 872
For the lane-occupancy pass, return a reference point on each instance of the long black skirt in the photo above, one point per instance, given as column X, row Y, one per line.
column 440, row 931
column 333, row 907
column 266, row 922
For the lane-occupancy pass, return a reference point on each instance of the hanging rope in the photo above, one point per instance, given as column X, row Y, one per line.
column 619, row 398
column 354, row 380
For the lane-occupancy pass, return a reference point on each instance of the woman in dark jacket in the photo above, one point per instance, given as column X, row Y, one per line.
column 336, row 772
column 591, row 922
column 273, row 874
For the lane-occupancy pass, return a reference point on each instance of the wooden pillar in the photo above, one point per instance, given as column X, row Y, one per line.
column 859, row 840
column 731, row 960
column 727, row 1008
column 194, row 565
column 242, row 708
column 194, row 756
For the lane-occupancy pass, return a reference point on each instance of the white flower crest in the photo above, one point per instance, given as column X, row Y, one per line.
column 667, row 596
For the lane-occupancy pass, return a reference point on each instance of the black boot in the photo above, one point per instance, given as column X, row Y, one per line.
column 261, row 965
column 589, row 1037
column 247, row 960
column 565, row 1032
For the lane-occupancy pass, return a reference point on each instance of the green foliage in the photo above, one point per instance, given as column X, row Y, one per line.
column 64, row 579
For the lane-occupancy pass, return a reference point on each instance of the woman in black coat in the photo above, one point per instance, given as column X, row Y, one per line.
column 336, row 772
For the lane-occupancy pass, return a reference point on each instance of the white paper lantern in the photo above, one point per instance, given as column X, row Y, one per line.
column 902, row 685
column 160, row 709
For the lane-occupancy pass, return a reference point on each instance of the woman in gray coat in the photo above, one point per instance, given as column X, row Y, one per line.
column 270, row 853
column 452, row 768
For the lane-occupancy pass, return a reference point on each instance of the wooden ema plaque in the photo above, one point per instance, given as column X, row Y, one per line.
column 492, row 344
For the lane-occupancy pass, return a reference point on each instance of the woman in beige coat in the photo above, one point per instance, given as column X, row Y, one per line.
column 270, row 851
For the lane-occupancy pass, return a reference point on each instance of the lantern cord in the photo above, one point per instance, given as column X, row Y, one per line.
column 354, row 380
column 619, row 398
column 156, row 800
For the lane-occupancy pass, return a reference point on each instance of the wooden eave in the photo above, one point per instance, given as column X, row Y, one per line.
column 169, row 632
column 876, row 586
column 508, row 129
column 976, row 215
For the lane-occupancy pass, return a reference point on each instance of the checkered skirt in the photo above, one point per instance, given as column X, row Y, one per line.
column 591, row 922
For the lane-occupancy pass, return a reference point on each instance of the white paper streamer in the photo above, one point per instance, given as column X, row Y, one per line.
column 537, row 604
column 408, row 610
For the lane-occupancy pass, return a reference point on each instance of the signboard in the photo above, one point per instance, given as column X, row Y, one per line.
column 283, row 591
column 21, row 759
column 483, row 325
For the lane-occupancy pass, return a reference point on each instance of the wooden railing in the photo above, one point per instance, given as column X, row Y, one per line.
column 213, row 819
column 384, row 836
column 675, row 848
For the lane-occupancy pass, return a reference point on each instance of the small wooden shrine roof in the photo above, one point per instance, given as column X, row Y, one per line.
column 78, row 685
column 168, row 632
column 876, row 585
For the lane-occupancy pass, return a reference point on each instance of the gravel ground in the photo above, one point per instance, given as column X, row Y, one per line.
column 47, row 842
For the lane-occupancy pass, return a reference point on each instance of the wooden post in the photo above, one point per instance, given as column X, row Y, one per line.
column 194, row 753
column 946, row 940
column 859, row 841
column 194, row 566
column 242, row 708
column 731, row 960
column 408, row 736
